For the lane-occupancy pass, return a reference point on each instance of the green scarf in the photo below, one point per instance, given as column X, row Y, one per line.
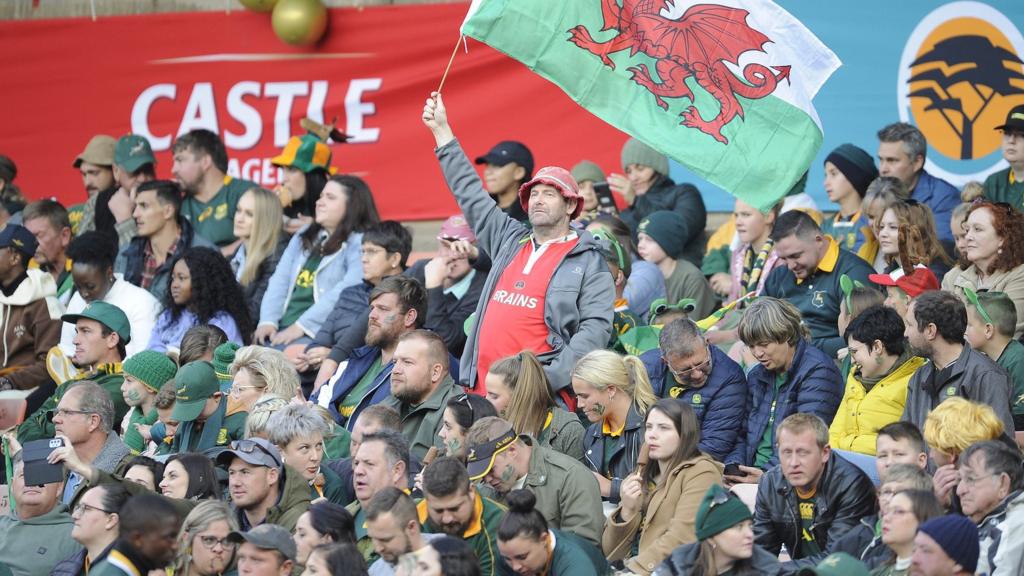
column 869, row 383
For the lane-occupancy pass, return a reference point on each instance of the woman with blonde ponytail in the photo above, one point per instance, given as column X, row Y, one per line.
column 614, row 393
column 519, row 391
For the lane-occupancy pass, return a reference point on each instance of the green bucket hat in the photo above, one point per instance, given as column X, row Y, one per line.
column 107, row 314
column 196, row 382
column 151, row 368
column 133, row 152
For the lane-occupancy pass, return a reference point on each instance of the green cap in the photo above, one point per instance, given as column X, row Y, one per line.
column 196, row 382
column 719, row 510
column 133, row 152
column 107, row 314
column 838, row 564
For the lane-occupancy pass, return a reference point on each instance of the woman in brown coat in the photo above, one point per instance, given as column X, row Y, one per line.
column 659, row 501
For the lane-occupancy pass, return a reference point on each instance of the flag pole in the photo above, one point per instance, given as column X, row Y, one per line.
column 449, row 66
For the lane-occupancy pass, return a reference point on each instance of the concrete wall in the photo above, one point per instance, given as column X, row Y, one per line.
column 32, row 9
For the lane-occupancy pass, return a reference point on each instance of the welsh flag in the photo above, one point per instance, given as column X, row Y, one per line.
column 723, row 88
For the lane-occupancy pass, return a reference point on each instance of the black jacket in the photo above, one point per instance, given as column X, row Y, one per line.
column 844, row 496
column 861, row 543
column 683, row 561
column 254, row 291
column 624, row 453
column 683, row 199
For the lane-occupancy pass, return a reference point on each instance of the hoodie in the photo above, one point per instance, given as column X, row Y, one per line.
column 33, row 547
column 29, row 327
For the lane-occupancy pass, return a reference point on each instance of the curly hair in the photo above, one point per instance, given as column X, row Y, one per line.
column 1009, row 225
column 214, row 289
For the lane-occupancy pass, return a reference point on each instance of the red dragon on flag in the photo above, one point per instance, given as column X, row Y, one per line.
column 698, row 45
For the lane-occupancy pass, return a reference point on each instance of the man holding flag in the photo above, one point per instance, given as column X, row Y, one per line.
column 549, row 290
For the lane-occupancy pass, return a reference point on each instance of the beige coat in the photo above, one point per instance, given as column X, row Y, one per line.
column 1010, row 281
column 667, row 520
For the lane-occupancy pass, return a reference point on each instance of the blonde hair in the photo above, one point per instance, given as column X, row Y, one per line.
column 260, row 413
column 604, row 368
column 771, row 320
column 957, row 423
column 205, row 513
column 916, row 234
column 266, row 231
column 269, row 369
column 971, row 190
column 531, row 396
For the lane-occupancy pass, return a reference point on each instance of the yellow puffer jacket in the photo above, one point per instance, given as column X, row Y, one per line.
column 862, row 413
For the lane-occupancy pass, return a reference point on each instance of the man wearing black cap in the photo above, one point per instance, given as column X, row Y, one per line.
column 1008, row 185
column 31, row 312
column 509, row 165
column 266, row 550
column 263, row 489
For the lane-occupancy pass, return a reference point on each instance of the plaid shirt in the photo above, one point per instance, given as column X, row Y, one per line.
column 150, row 265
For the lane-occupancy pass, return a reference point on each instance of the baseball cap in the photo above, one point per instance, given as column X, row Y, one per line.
column 107, row 314
column 99, row 151
column 838, row 564
column 480, row 458
column 509, row 151
column 1014, row 119
column 19, row 238
column 920, row 280
column 133, row 152
column 267, row 537
column 255, row 451
column 196, row 382
column 561, row 179
column 456, row 227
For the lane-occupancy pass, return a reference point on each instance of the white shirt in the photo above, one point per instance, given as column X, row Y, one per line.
column 138, row 305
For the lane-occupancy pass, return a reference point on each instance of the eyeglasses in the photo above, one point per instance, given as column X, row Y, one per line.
column 248, row 447
column 972, row 480
column 704, row 367
column 236, row 390
column 210, row 541
column 82, row 508
column 65, row 412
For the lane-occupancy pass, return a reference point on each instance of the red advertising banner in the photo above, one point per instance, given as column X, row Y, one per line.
column 163, row 75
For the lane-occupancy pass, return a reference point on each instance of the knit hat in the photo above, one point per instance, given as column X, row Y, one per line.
column 958, row 537
column 151, row 368
column 667, row 229
column 587, row 170
column 636, row 152
column 857, row 165
column 223, row 356
column 719, row 510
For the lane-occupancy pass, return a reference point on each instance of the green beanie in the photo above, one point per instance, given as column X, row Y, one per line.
column 223, row 356
column 587, row 170
column 151, row 368
column 667, row 229
column 714, row 518
column 636, row 152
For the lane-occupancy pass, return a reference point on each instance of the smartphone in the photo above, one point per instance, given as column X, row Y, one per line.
column 605, row 200
column 37, row 470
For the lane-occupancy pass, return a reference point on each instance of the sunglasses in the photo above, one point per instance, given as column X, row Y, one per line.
column 248, row 447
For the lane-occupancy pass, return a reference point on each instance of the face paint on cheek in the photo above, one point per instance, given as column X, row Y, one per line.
column 452, row 445
column 598, row 409
column 133, row 395
column 508, row 474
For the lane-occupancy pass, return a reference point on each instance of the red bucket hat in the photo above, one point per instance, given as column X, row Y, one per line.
column 561, row 179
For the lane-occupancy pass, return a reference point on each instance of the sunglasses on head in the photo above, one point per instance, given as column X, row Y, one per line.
column 248, row 447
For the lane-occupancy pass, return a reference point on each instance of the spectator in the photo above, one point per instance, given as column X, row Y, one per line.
column 991, row 320
column 528, row 546
column 1006, row 185
column 856, row 299
column 882, row 193
column 163, row 236
column 380, row 460
column 518, row 389
column 810, row 280
column 901, row 154
column 189, row 476
column 134, row 164
column 968, row 194
column 92, row 255
column 211, row 196
column 950, row 429
column 566, row 493
column 755, row 257
column 420, row 388
column 990, row 495
column 374, row 419
column 538, row 282
column 645, row 283
column 200, row 342
column 725, row 542
column 994, row 245
column 902, row 286
column 647, row 189
column 445, row 556
column 660, row 241
column 257, row 371
column 48, row 221
column 11, row 199
column 147, row 540
column 260, row 413
column 588, row 174
column 102, row 331
column 812, row 497
column 397, row 306
column 260, row 246
column 453, row 506
column 342, row 558
column 876, row 389
column 508, row 165
column 907, row 237
column 792, row 376
column 298, row 432
column 323, row 523
column 322, row 259
column 945, row 546
column 306, row 163
column 264, row 551
column 393, row 524
column 263, row 489
column 161, row 434
column 97, row 524
column 145, row 472
column 200, row 409
column 28, row 297
column 658, row 500
column 144, row 374
column 848, row 172
column 623, row 319
column 614, row 393
column 687, row 368
column 899, row 443
column 203, row 545
column 37, row 517
column 936, row 322
column 202, row 291
column 459, row 416
column 95, row 164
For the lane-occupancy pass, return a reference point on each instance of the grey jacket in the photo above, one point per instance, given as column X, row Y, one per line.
column 578, row 304
column 973, row 376
column 1001, row 534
